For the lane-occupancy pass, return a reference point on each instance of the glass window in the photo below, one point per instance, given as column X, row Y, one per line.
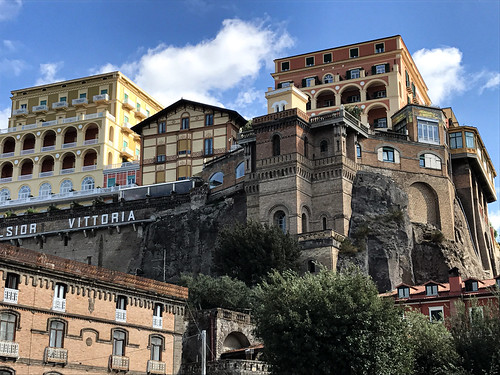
column 276, row 145
column 285, row 65
column 24, row 192
column 436, row 314
column 403, row 292
column 12, row 281
column 118, row 343
column 88, row 183
column 66, row 186
column 43, row 102
column 471, row 286
column 62, row 99
column 431, row 290
column 131, row 180
column 428, row 132
column 209, row 119
column 45, row 190
column 388, row 154
column 310, row 81
column 469, row 140
column 328, row 78
column 286, row 84
column 208, row 146
column 7, row 326
column 185, row 123
column 121, row 303
column 125, row 119
column 323, row 146
column 217, row 179
column 56, row 334
column 355, row 73
column 138, row 106
column 310, row 61
column 358, row 150
column 125, row 144
column 156, row 348
column 4, row 195
column 327, row 58
column 380, row 123
column 430, row 161
column 280, row 220
column 240, row 170
column 104, row 91
column 353, row 52
column 379, row 47
column 111, row 181
column 83, row 95
column 162, row 127
column 379, row 69
column 456, row 140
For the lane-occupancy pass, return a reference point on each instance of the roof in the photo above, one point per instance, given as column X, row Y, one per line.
column 183, row 102
column 12, row 255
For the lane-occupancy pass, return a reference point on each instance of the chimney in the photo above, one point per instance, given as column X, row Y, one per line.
column 455, row 280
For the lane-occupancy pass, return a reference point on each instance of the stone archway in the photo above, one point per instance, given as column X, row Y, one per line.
column 424, row 204
column 235, row 340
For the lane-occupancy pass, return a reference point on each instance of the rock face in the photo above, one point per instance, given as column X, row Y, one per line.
column 391, row 248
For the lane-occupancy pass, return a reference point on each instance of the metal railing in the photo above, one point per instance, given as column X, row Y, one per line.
column 100, row 98
column 46, row 174
column 25, row 177
column 10, row 295
column 59, row 304
column 157, row 322
column 40, row 108
column 48, row 148
column 79, row 101
column 9, row 349
column 119, row 363
column 87, row 168
column 56, row 355
column 59, row 105
column 156, row 367
column 121, row 315
column 67, row 170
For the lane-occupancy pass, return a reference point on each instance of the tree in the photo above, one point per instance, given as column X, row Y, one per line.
column 330, row 323
column 250, row 251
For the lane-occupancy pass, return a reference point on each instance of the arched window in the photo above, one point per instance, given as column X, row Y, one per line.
column 111, row 135
column 311, row 266
column 66, row 186
column 323, row 146
column 324, row 223
column 280, row 220
column 119, row 342
column 216, row 180
column 7, row 371
column 4, row 195
column 56, row 334
column 45, row 190
column 88, row 183
column 276, row 145
column 24, row 192
column 7, row 326
column 157, row 316
column 110, row 158
column 240, row 170
column 358, row 150
column 156, row 348
column 306, row 147
column 388, row 154
column 328, row 78
column 304, row 223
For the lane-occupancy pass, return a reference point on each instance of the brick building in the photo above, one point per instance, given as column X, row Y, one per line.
column 61, row 316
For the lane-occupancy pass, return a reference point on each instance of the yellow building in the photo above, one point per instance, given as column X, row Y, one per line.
column 178, row 140
column 62, row 136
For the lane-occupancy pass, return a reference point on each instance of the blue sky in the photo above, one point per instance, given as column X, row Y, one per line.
column 221, row 52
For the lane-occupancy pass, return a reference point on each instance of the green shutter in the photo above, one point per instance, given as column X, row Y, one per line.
column 374, row 70
column 348, row 75
column 387, row 68
column 304, row 82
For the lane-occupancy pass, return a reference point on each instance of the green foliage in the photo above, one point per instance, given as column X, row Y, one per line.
column 354, row 110
column 30, row 211
column 346, row 246
column 10, row 214
column 247, row 126
column 250, row 251
column 477, row 337
column 207, row 292
column 52, row 207
column 432, row 347
column 329, row 323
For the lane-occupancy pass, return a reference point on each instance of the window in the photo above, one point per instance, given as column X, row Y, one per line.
column 183, row 172
column 428, row 131
column 358, row 150
column 430, row 161
column 111, row 182
column 311, row 266
column 131, row 180
column 380, row 123
column 388, row 154
column 62, row 99
column 328, row 78
column 160, row 154
column 83, row 95
column 24, row 192
column 125, row 98
column 209, row 119
column 431, row 290
column 353, row 99
column 324, row 223
column 125, row 119
column 379, row 47
column 162, row 127
column 11, row 291
column 59, row 302
column 208, row 147
column 498, row 282
column 183, row 146
column 185, row 123
column 216, row 180
column 407, row 78
column 310, row 81
column 280, row 220
column 66, row 186
column 24, row 106
column 121, row 309
column 354, row 73
column 306, row 147
column 310, row 61
column 7, row 326
column 157, row 316
column 276, row 145
column 304, row 223
column 45, row 190
column 88, row 183
column 240, row 170
column 436, row 314
column 471, row 286
column 4, row 195
column 56, row 334
column 469, row 140
column 456, row 140
column 104, row 91
column 403, row 292
column 353, row 53
column 119, row 343
column 156, row 348
column 323, row 146
column 160, row 177
column 43, row 102
column 380, row 94
column 327, row 58
column 138, row 106
column 285, row 65
column 379, row 69
column 284, row 84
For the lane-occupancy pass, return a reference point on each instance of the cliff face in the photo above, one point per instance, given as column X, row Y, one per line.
column 391, row 248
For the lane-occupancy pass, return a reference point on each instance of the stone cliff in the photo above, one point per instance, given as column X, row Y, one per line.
column 393, row 250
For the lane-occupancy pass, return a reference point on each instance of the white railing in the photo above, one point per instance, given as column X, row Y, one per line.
column 94, row 115
column 127, row 164
column 87, row 168
column 46, row 174
column 7, row 154
column 127, row 150
column 119, row 363
column 121, row 315
column 59, row 105
column 111, row 117
column 56, row 355
column 9, row 349
column 141, row 113
column 79, row 101
column 29, row 126
column 156, row 367
column 59, row 304
column 67, row 170
column 10, row 295
column 40, row 108
column 157, row 322
column 100, row 98
column 25, row 177
column 50, row 123
column 90, row 142
column 68, row 120
column 128, row 103
column 20, row 111
column 27, row 152
column 5, row 180
column 48, row 148
column 69, row 145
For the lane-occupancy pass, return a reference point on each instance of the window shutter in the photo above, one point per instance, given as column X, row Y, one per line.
column 318, row 82
column 374, row 70
column 304, row 82
column 348, row 74
column 279, row 85
column 160, row 150
column 160, row 176
column 387, row 68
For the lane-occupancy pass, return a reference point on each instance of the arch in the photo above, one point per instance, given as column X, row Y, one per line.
column 276, row 141
column 91, row 133
column 49, row 140
column 328, row 78
column 90, row 158
column 325, row 98
column 47, row 164
column 66, row 186
column 8, row 145
column 311, row 266
column 323, row 146
column 68, row 161
column 111, row 134
column 28, row 142
column 110, row 158
column 279, row 106
column 4, row 195
column 120, row 341
column 377, row 116
column 24, row 192
column 7, row 170
column 235, row 340
column 375, row 81
column 45, row 190
column 279, row 219
column 217, row 179
column 350, row 86
column 423, row 204
column 4, row 370
column 378, row 104
column 240, row 170
column 429, row 160
column 88, row 183
column 26, row 167
column 69, row 136
column 350, row 94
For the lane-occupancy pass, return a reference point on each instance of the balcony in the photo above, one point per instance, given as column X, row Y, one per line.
column 118, row 363
column 157, row 322
column 141, row 113
column 101, row 99
column 5, row 180
column 7, row 154
column 128, row 104
column 9, row 349
column 24, row 177
column 127, row 127
column 27, row 152
column 56, row 355
column 10, row 295
column 59, row 304
column 121, row 315
column 48, row 148
column 67, row 170
column 156, row 367
column 69, row 145
column 40, row 108
column 20, row 112
column 46, row 174
column 81, row 102
column 90, row 142
column 87, row 168
column 60, row 105
column 127, row 152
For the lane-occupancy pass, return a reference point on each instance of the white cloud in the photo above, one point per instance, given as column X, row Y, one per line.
column 108, row 68
column 4, row 118
column 202, row 72
column 14, row 66
column 9, row 45
column 442, row 71
column 493, row 81
column 9, row 9
column 49, row 72
column 495, row 220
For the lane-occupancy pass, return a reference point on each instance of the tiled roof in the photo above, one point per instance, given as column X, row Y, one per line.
column 51, row 263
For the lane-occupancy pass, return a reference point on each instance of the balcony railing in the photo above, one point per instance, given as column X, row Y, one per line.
column 87, row 168
column 25, row 177
column 60, row 105
column 5, row 180
column 80, row 101
column 157, row 322
column 67, row 170
column 48, row 148
column 56, row 355
column 10, row 295
column 40, row 108
column 50, row 123
column 100, row 98
column 156, row 367
column 127, row 103
column 128, row 164
column 118, row 363
column 46, row 174
column 121, row 315
column 7, row 154
column 141, row 113
column 27, row 152
column 59, row 304
column 9, row 349
column 127, row 151
column 90, row 142
column 20, row 111
column 69, row 145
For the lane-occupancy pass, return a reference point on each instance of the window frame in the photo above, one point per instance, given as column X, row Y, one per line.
column 453, row 137
column 279, row 219
column 216, row 177
column 431, row 290
column 156, row 350
column 240, row 170
column 283, row 63
column 357, row 74
column 353, row 55
column 380, row 69
column 209, row 119
column 325, row 58
column 379, row 50
column 185, row 123
column 208, row 146
column 8, row 327
column 386, row 154
column 162, row 127
column 403, row 292
column 56, row 334
column 427, row 130
column 119, row 340
column 433, row 309
column 308, row 58
column 325, row 80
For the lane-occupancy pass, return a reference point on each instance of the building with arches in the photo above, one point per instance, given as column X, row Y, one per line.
column 71, row 136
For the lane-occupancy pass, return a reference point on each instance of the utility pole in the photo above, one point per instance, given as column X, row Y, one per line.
column 204, row 352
